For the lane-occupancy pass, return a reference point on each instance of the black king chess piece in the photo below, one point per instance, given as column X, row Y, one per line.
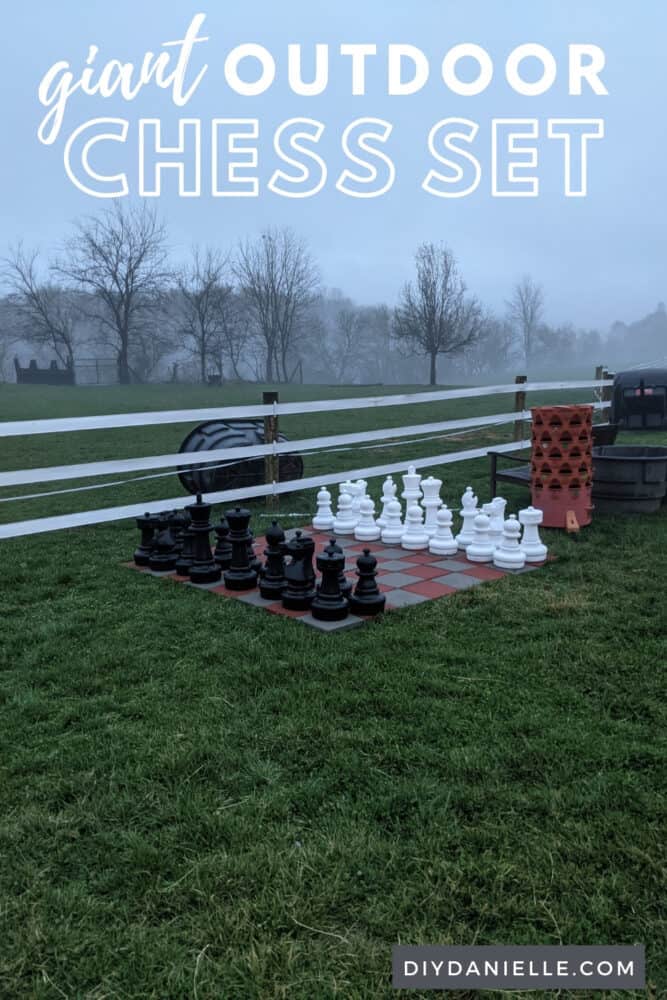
column 223, row 549
column 367, row 599
column 299, row 574
column 240, row 575
column 329, row 604
column 204, row 568
column 272, row 579
column 146, row 526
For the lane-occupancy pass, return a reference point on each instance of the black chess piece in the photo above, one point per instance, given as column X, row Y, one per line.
column 272, row 581
column 367, row 599
column 204, row 568
column 146, row 526
column 254, row 560
column 346, row 585
column 186, row 558
column 299, row 574
column 164, row 556
column 329, row 604
column 223, row 549
column 240, row 575
column 178, row 521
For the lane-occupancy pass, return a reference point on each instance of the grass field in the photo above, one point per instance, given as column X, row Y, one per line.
column 200, row 800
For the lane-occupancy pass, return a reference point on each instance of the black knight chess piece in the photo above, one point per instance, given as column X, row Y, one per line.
column 329, row 604
column 240, row 575
column 146, row 526
column 178, row 521
column 164, row 555
column 272, row 579
column 186, row 558
column 367, row 599
column 223, row 548
column 345, row 584
column 204, row 568
column 299, row 574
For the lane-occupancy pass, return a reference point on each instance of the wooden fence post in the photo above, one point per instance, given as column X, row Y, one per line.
column 519, row 407
column 607, row 394
column 271, row 462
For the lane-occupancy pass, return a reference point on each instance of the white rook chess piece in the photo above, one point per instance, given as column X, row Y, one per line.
column 411, row 492
column 481, row 549
column 366, row 529
column 388, row 494
column 443, row 542
column 509, row 554
column 431, row 503
column 414, row 535
column 468, row 513
column 345, row 520
column 531, row 543
column 393, row 529
column 324, row 519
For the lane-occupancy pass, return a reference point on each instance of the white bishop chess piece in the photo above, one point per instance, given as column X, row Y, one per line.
column 431, row 503
column 468, row 513
column 393, row 529
column 366, row 529
column 388, row 494
column 443, row 542
column 509, row 554
column 345, row 520
column 414, row 534
column 411, row 491
column 324, row 519
column 531, row 543
column 481, row 549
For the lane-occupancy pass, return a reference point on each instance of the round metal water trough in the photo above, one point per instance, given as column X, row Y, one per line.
column 629, row 479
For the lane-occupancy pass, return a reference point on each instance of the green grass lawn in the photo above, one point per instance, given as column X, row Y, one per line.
column 200, row 800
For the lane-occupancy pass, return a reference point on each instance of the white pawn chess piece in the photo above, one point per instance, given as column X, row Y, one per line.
column 414, row 535
column 411, row 491
column 481, row 549
column 509, row 554
column 443, row 542
column 431, row 503
column 324, row 518
column 345, row 520
column 468, row 513
column 393, row 529
column 366, row 529
column 388, row 494
column 531, row 543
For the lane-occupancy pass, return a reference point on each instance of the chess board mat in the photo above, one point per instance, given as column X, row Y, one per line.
column 404, row 577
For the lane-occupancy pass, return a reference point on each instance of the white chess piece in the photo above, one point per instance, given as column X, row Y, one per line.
column 509, row 554
column 393, row 529
column 496, row 516
column 388, row 494
column 431, row 503
column 411, row 491
column 324, row 519
column 443, row 542
column 357, row 492
column 366, row 529
column 481, row 549
column 414, row 535
column 468, row 513
column 531, row 543
column 345, row 520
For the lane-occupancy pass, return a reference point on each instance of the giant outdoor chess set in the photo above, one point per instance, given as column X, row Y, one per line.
column 367, row 566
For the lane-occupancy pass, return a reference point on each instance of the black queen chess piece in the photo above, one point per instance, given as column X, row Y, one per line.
column 204, row 569
column 329, row 604
column 367, row 599
column 299, row 574
column 146, row 525
column 272, row 580
column 240, row 575
column 223, row 548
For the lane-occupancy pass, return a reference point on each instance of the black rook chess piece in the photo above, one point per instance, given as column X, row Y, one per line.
column 300, row 575
column 240, row 575
column 272, row 580
column 223, row 549
column 146, row 526
column 345, row 584
column 204, row 568
column 329, row 604
column 164, row 555
column 367, row 599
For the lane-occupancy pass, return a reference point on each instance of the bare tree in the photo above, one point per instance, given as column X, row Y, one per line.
column 436, row 317
column 233, row 339
column 279, row 279
column 206, row 300
column 120, row 259
column 348, row 344
column 524, row 310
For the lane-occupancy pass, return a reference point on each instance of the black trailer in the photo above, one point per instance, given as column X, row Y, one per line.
column 639, row 400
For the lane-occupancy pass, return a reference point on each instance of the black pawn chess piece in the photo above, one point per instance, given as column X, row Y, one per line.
column 254, row 560
column 164, row 556
column 272, row 580
column 146, row 526
column 299, row 574
column 240, row 575
column 329, row 604
column 345, row 584
column 186, row 558
column 223, row 548
column 367, row 599
column 204, row 568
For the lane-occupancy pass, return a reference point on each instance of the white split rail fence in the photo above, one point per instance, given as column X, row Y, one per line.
column 127, row 420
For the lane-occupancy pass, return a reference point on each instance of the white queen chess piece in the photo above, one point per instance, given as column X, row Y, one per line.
column 388, row 494
column 443, row 542
column 393, row 529
column 431, row 503
column 366, row 529
column 324, row 519
column 531, row 543
column 414, row 534
column 468, row 513
column 481, row 549
column 345, row 520
column 509, row 554
column 411, row 491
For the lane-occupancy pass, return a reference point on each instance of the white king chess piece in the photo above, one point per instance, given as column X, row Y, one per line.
column 411, row 491
column 431, row 503
column 388, row 494
column 481, row 549
column 509, row 554
column 393, row 529
column 443, row 542
column 531, row 543
column 324, row 519
column 468, row 513
column 366, row 529
column 414, row 534
column 345, row 520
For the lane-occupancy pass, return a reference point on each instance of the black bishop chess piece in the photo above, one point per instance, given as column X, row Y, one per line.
column 272, row 580
column 204, row 568
column 223, row 548
column 346, row 585
column 164, row 555
column 240, row 575
column 146, row 525
column 299, row 574
column 367, row 599
column 329, row 604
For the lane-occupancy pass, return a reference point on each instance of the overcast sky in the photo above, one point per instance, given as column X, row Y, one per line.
column 599, row 258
